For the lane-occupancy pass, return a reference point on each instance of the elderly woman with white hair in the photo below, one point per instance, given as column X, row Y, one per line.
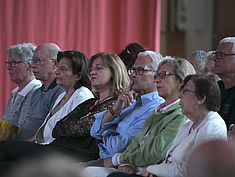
column 20, row 71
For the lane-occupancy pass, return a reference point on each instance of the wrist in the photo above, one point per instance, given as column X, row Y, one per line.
column 112, row 112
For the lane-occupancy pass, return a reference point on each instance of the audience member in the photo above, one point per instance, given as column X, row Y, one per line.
column 224, row 66
column 153, row 141
column 212, row 159
column 43, row 64
column 126, row 117
column 129, row 54
column 109, row 78
column 210, row 65
column 199, row 99
column 72, row 74
column 123, row 121
column 198, row 59
column 20, row 71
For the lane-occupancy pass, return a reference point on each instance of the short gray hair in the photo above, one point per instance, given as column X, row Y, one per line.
column 156, row 58
column 201, row 58
column 24, row 51
column 181, row 67
column 229, row 40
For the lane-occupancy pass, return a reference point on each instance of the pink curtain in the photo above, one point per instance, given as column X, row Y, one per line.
column 86, row 25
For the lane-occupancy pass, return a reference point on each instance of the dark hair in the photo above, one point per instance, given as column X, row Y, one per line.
column 207, row 88
column 79, row 63
column 129, row 54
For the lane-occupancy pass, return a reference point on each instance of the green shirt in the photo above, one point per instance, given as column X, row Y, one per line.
column 151, row 144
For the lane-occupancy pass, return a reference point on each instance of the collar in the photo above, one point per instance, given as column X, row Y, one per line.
column 166, row 107
column 27, row 88
column 146, row 98
column 51, row 86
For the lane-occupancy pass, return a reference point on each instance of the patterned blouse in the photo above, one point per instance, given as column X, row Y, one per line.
column 78, row 122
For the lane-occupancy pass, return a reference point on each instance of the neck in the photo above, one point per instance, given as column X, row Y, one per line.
column 26, row 81
column 199, row 116
column 104, row 94
column 143, row 92
column 229, row 81
column 48, row 82
column 171, row 99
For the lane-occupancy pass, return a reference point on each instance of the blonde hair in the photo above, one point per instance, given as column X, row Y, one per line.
column 120, row 78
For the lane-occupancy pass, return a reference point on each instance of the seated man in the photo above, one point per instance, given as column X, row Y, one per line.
column 43, row 64
column 224, row 66
column 116, row 127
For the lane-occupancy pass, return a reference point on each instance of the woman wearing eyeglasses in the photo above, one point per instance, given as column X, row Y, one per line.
column 150, row 145
column 67, row 127
column 20, row 71
column 199, row 99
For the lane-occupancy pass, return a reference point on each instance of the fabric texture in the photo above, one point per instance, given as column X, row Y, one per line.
column 227, row 105
column 44, row 133
column 187, row 139
column 128, row 124
column 19, row 103
column 151, row 144
column 42, row 102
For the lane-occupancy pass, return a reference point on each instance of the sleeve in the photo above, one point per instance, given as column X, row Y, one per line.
column 155, row 148
column 98, row 127
column 167, row 170
column 73, row 127
column 117, row 141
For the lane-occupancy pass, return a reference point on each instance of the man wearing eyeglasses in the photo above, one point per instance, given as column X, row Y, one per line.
column 43, row 64
column 116, row 127
column 224, row 66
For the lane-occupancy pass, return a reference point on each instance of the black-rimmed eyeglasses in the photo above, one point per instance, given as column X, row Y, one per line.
column 139, row 71
column 163, row 74
column 185, row 90
column 221, row 54
column 13, row 64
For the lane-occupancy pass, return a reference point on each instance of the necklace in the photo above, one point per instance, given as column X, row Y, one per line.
column 102, row 100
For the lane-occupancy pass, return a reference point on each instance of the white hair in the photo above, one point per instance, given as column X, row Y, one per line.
column 156, row 58
column 229, row 40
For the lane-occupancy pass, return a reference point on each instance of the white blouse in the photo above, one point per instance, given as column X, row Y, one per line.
column 186, row 140
column 80, row 95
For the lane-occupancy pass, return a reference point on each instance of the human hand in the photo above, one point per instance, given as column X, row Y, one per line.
column 127, row 168
column 124, row 100
column 231, row 132
column 145, row 173
column 108, row 162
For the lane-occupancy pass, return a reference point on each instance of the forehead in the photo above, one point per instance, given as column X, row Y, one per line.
column 41, row 52
column 225, row 47
column 142, row 61
column 98, row 61
column 65, row 61
column 165, row 67
column 190, row 84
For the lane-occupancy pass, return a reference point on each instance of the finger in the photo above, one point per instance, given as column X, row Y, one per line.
column 231, row 127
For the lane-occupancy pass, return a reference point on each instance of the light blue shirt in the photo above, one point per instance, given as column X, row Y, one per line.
column 130, row 121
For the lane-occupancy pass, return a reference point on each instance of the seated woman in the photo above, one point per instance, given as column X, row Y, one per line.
column 150, row 145
column 199, row 99
column 20, row 71
column 71, row 134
